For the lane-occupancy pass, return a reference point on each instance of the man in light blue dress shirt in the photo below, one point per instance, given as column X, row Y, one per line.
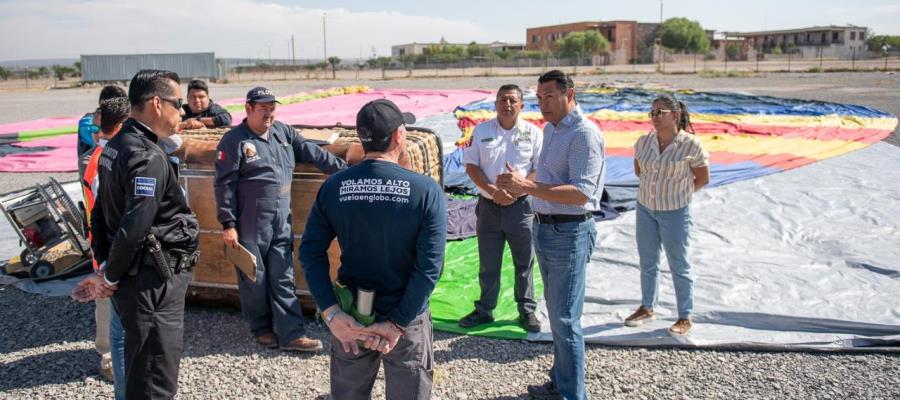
column 566, row 191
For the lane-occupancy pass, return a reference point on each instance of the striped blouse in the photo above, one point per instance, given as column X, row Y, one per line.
column 667, row 181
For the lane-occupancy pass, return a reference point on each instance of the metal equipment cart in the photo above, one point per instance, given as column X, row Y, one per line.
column 45, row 218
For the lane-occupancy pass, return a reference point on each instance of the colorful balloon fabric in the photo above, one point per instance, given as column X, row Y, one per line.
column 48, row 145
column 747, row 136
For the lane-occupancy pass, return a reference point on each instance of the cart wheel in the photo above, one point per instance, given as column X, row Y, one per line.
column 41, row 269
column 27, row 258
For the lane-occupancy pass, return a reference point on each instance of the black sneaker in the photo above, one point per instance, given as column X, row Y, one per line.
column 546, row 391
column 530, row 322
column 475, row 318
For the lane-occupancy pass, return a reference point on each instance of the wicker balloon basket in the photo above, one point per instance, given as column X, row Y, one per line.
column 215, row 279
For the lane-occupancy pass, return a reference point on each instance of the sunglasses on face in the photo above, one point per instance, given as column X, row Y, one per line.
column 177, row 103
column 657, row 113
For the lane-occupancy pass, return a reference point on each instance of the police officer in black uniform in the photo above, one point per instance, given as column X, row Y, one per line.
column 141, row 204
column 254, row 168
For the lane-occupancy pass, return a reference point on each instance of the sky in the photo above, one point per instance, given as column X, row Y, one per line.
column 262, row 29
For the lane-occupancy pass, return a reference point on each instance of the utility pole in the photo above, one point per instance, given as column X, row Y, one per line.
column 293, row 52
column 324, row 38
column 821, row 54
column 659, row 62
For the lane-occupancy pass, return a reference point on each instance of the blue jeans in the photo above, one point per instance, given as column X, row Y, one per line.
column 563, row 251
column 670, row 230
column 117, row 352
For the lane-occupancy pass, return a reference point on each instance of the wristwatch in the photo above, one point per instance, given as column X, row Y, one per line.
column 330, row 317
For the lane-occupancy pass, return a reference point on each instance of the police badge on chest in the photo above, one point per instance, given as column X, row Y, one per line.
column 250, row 153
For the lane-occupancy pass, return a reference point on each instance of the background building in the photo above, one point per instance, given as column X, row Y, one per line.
column 629, row 41
column 415, row 49
column 826, row 41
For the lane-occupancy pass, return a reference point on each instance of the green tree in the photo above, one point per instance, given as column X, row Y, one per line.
column 42, row 71
column 532, row 54
column 407, row 59
column 445, row 52
column 77, row 66
column 791, row 49
column 378, row 62
column 60, row 71
column 475, row 50
column 683, row 35
column 334, row 61
column 580, row 44
column 4, row 73
column 731, row 51
column 876, row 42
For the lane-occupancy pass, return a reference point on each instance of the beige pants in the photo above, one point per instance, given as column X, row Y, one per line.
column 101, row 343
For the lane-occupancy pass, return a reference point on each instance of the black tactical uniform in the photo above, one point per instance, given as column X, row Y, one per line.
column 139, row 194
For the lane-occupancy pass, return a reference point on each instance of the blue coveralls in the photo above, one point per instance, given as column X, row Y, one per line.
column 253, row 189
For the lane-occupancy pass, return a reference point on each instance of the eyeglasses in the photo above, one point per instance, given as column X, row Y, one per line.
column 657, row 113
column 177, row 103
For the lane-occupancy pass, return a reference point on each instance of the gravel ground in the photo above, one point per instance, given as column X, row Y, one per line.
column 47, row 349
column 48, row 353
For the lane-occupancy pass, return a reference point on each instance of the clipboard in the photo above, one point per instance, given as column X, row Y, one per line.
column 243, row 259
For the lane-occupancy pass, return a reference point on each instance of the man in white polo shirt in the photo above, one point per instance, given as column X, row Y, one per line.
column 503, row 217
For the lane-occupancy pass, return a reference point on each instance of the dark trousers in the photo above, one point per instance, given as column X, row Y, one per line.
column 408, row 369
column 152, row 313
column 495, row 226
column 271, row 304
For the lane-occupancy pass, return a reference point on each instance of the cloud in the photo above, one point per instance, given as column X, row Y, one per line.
column 880, row 18
column 230, row 28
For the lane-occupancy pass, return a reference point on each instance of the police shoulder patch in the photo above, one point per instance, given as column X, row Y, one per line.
column 144, row 186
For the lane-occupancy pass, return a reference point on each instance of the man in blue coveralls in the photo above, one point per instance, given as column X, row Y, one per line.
column 254, row 167
column 391, row 224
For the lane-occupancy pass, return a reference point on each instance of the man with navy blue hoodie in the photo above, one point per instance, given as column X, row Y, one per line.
column 391, row 226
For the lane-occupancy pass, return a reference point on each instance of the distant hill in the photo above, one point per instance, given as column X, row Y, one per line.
column 47, row 62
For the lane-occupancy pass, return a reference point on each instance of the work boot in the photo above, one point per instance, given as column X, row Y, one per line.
column 303, row 343
column 547, row 391
column 267, row 340
column 475, row 318
column 681, row 327
column 530, row 322
column 638, row 317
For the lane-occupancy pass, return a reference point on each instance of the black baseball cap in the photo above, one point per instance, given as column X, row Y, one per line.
column 260, row 94
column 378, row 119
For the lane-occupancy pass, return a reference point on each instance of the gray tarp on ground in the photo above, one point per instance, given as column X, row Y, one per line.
column 808, row 258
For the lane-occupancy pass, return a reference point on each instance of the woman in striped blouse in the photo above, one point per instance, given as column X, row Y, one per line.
column 671, row 165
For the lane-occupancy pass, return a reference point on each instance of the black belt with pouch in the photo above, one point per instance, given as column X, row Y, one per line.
column 169, row 262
